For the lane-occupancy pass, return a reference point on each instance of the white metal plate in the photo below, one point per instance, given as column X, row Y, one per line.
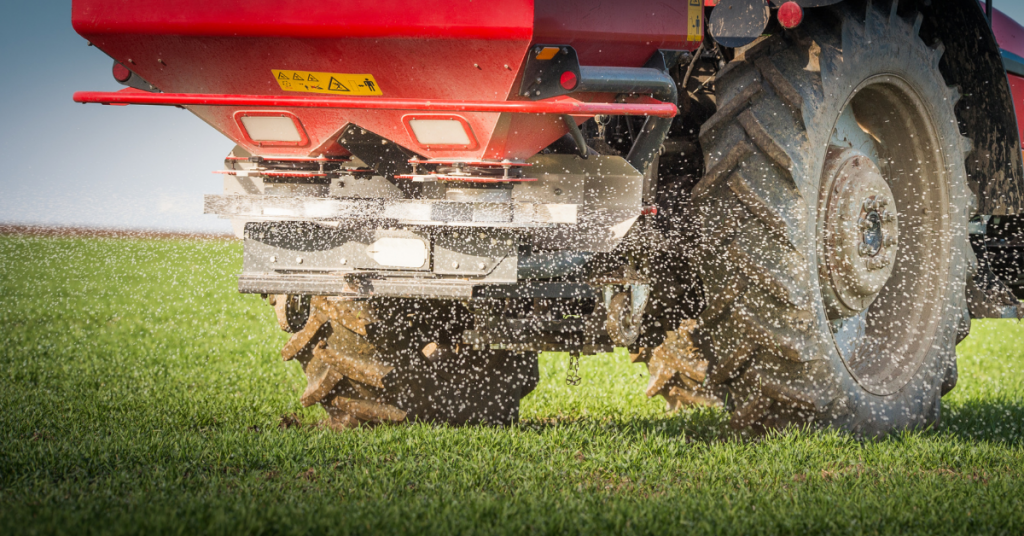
column 398, row 252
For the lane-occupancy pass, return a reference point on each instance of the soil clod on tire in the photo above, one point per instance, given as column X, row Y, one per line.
column 374, row 362
column 677, row 370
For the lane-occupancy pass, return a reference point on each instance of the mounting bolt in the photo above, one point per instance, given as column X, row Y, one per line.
column 273, row 258
column 298, row 260
column 343, row 261
column 482, row 265
column 455, row 264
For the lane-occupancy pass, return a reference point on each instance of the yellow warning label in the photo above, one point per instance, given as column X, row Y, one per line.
column 695, row 21
column 330, row 83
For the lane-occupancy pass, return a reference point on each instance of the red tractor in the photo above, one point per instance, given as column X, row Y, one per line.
column 794, row 214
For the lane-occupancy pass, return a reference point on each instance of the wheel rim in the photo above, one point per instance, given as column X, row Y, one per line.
column 884, row 240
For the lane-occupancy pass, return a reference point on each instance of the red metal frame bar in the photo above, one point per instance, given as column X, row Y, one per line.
column 470, row 162
column 556, row 105
column 286, row 159
column 460, row 178
column 288, row 174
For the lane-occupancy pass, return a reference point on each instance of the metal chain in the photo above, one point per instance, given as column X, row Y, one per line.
column 572, row 376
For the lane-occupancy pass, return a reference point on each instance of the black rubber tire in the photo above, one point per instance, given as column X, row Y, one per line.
column 377, row 361
column 765, row 331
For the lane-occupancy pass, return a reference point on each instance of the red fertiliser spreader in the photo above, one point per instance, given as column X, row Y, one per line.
column 791, row 209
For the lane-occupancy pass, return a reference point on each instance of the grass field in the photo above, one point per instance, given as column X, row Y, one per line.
column 139, row 393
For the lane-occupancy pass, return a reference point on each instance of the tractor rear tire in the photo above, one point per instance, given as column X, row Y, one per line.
column 390, row 361
column 827, row 305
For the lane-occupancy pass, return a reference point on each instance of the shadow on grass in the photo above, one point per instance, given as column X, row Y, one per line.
column 996, row 421
column 693, row 425
column 973, row 421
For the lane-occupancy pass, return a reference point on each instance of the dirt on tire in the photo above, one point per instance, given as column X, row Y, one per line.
column 392, row 361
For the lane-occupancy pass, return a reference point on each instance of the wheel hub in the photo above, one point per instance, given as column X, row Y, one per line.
column 861, row 234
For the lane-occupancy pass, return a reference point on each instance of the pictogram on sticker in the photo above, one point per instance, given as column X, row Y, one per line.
column 336, row 83
column 695, row 21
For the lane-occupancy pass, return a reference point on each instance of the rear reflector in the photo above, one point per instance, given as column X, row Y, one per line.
column 441, row 131
column 547, row 53
column 121, row 73
column 790, row 15
column 568, row 80
column 398, row 252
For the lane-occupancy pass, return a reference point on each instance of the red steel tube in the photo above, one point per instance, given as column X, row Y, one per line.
column 556, row 105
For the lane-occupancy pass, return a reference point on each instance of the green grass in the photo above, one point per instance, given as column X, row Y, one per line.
column 139, row 393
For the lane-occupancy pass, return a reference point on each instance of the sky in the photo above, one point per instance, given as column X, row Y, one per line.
column 126, row 167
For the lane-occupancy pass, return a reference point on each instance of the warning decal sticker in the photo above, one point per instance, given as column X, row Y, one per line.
column 695, row 19
column 361, row 85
